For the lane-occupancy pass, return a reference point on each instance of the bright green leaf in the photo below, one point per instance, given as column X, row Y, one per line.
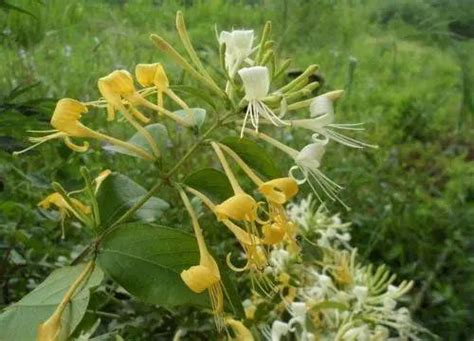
column 159, row 133
column 118, row 193
column 147, row 261
column 254, row 155
column 196, row 92
column 20, row 320
column 211, row 182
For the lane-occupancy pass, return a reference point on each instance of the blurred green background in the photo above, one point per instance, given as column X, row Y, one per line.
column 408, row 70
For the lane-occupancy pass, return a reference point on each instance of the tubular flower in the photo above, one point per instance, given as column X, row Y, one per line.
column 238, row 47
column 256, row 81
column 118, row 86
column 307, row 161
column 279, row 190
column 241, row 332
column 67, row 124
column 56, row 199
column 238, row 207
column 155, row 75
column 206, row 275
column 322, row 113
column 249, row 241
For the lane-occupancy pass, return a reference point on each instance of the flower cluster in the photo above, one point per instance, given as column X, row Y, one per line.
column 330, row 295
column 334, row 297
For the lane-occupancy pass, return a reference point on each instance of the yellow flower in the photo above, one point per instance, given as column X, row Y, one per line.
column 66, row 121
column 241, row 332
column 155, row 75
column 273, row 233
column 279, row 190
column 206, row 275
column 57, row 200
column 115, row 86
column 238, row 207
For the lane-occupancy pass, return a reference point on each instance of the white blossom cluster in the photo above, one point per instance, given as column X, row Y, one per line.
column 330, row 294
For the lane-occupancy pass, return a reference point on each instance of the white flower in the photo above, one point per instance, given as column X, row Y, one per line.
column 238, row 47
column 256, row 81
column 361, row 293
column 322, row 113
column 308, row 161
column 361, row 333
column 278, row 259
column 279, row 329
column 298, row 312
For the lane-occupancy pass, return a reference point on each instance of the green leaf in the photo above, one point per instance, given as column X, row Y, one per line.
column 20, row 320
column 199, row 115
column 254, row 155
column 159, row 133
column 118, row 193
column 211, row 182
column 147, row 261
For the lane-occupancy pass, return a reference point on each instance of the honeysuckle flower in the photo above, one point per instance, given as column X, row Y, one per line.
column 307, row 162
column 256, row 81
column 65, row 208
column 276, row 192
column 278, row 330
column 298, row 312
column 66, row 121
column 241, row 332
column 119, row 91
column 238, row 47
column 256, row 258
column 322, row 121
column 155, row 75
column 206, row 275
column 279, row 190
column 238, row 207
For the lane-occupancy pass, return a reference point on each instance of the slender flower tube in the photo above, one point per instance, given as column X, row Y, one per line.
column 155, row 75
column 322, row 121
column 238, row 47
column 67, row 124
column 241, row 206
column 276, row 192
column 51, row 329
column 256, row 81
column 206, row 275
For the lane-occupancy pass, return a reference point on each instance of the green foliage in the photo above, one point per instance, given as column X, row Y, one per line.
column 405, row 69
column 18, row 321
column 155, row 254
column 219, row 188
column 118, row 193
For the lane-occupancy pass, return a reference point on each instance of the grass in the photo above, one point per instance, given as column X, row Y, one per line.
column 404, row 73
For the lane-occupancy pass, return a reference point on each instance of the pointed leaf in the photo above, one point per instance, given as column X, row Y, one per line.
column 211, row 182
column 118, row 193
column 254, row 155
column 147, row 260
column 20, row 320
